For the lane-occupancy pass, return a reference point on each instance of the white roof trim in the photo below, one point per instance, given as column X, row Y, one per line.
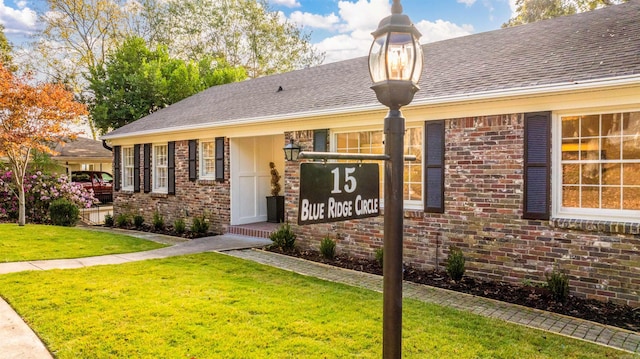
column 477, row 96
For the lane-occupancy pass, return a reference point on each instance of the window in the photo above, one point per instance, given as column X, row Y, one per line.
column 207, row 159
column 600, row 165
column 127, row 168
column 373, row 142
column 160, row 168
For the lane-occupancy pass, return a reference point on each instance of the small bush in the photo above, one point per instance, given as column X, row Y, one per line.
column 108, row 220
column 328, row 248
column 122, row 220
column 199, row 225
column 283, row 238
column 455, row 263
column 179, row 226
column 64, row 213
column 138, row 220
column 379, row 255
column 558, row 284
column 158, row 221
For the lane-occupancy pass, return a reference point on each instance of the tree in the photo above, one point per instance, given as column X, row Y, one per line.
column 245, row 32
column 529, row 11
column 5, row 50
column 32, row 118
column 136, row 81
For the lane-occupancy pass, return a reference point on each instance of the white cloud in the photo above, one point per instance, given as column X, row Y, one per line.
column 513, row 7
column 17, row 21
column 326, row 22
column 359, row 19
column 441, row 30
column 466, row 2
column 286, row 3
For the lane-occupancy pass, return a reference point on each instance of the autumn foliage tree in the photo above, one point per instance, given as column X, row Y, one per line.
column 32, row 118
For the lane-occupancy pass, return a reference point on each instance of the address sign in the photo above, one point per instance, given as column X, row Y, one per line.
column 333, row 192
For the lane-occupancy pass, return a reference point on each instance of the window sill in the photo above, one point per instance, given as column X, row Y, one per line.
column 587, row 225
column 207, row 182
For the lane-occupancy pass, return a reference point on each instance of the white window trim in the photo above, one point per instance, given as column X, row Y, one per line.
column 127, row 186
column 154, row 166
column 593, row 214
column 201, row 162
column 408, row 205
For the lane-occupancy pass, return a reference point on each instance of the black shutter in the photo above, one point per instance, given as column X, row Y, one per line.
column 434, row 166
column 193, row 171
column 171, row 167
column 136, row 168
column 220, row 159
column 537, row 165
column 147, row 168
column 320, row 140
column 116, row 168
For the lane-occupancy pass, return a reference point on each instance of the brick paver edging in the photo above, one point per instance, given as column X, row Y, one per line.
column 556, row 323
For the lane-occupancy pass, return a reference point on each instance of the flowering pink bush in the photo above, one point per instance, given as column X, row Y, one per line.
column 40, row 189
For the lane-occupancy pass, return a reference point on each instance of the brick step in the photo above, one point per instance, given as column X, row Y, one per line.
column 260, row 230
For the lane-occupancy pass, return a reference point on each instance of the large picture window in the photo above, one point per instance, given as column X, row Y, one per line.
column 600, row 164
column 373, row 142
column 207, row 159
column 160, row 168
column 127, row 168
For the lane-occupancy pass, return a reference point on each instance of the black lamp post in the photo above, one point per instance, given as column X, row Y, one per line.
column 291, row 151
column 395, row 65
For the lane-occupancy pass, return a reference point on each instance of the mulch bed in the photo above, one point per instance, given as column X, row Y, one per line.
column 619, row 316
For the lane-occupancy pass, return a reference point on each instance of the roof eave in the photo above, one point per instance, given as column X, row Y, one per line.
column 581, row 85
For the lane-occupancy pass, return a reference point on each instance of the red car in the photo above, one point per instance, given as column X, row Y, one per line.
column 100, row 182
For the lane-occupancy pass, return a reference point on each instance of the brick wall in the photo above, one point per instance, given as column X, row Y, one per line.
column 202, row 197
column 483, row 216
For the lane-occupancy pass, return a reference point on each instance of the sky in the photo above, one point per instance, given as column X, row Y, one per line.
column 339, row 28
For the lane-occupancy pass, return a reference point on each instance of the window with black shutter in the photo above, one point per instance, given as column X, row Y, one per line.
column 537, row 165
column 193, row 170
column 434, row 166
column 171, row 167
column 147, row 168
column 220, row 159
column 136, row 168
column 320, row 140
column 116, row 168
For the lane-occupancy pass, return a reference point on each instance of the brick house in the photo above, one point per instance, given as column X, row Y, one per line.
column 530, row 136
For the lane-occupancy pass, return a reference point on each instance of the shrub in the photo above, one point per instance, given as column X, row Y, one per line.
column 179, row 226
column 283, row 238
column 108, row 220
column 40, row 189
column 64, row 213
column 455, row 263
column 158, row 221
column 379, row 255
column 122, row 220
column 138, row 220
column 558, row 284
column 328, row 248
column 199, row 225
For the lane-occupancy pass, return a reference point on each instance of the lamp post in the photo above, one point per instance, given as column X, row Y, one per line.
column 395, row 66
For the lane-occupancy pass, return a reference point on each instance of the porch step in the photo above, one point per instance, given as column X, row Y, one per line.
column 260, row 230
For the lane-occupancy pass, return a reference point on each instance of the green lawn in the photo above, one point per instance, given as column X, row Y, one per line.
column 214, row 306
column 35, row 242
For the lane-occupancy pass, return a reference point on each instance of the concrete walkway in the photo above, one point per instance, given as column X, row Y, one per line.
column 19, row 341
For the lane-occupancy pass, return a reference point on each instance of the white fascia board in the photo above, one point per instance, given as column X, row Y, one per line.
column 476, row 96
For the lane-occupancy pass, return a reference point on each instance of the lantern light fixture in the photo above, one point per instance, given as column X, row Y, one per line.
column 291, row 151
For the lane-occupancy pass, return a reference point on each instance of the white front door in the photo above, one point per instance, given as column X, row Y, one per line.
column 250, row 176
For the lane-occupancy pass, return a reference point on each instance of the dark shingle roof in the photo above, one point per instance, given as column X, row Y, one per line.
column 599, row 44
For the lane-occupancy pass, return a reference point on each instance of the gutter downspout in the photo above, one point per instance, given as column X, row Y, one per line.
column 104, row 144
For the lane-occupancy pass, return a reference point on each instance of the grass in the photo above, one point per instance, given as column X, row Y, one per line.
column 211, row 305
column 35, row 242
